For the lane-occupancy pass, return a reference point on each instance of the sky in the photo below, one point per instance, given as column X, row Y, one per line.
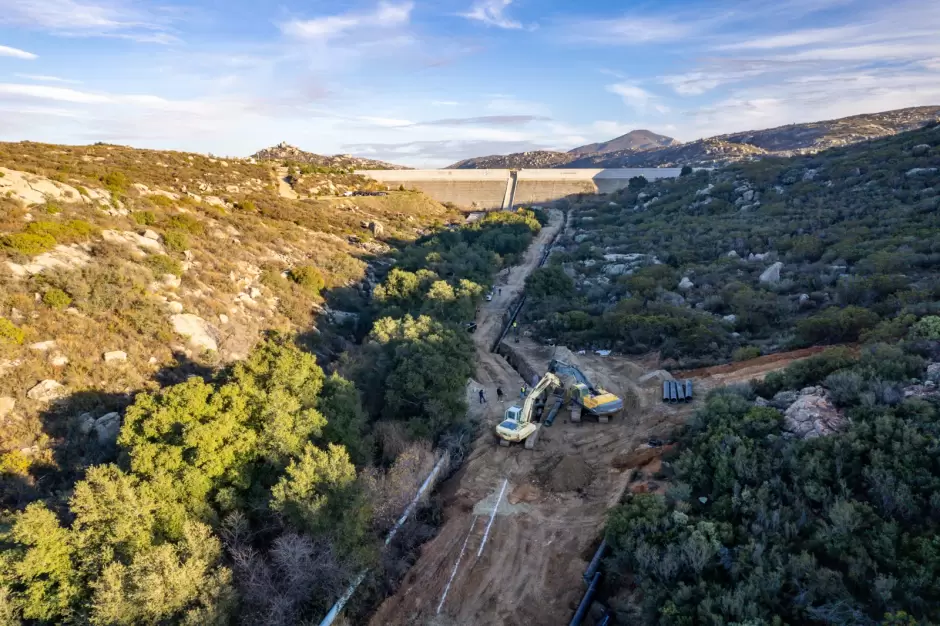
column 426, row 83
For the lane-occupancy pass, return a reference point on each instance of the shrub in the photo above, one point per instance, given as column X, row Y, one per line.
column 144, row 218
column 162, row 264
column 549, row 281
column 686, row 170
column 186, row 223
column 836, row 325
column 806, row 372
column 160, row 200
column 62, row 232
column 637, row 182
column 247, row 205
column 745, row 353
column 115, row 182
column 845, row 387
column 308, row 277
column 927, row 328
column 175, row 241
column 10, row 333
column 53, row 209
column 56, row 298
column 28, row 243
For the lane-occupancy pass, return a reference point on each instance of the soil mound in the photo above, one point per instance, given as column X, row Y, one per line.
column 565, row 473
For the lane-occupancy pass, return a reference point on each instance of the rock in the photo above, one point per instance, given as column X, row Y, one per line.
column 920, row 150
column 686, row 284
column 733, row 254
column 772, row 274
column 758, row 401
column 758, row 257
column 804, row 297
column 138, row 243
column 33, row 189
column 60, row 257
column 47, row 391
column 704, row 192
column 810, row 174
column 115, row 356
column 731, row 319
column 6, row 407
column 811, row 391
column 171, row 281
column 107, row 428
column 223, row 318
column 376, row 228
column 43, row 346
column 200, row 334
column 616, row 270
column 933, row 372
column 86, row 422
column 748, row 195
column 59, row 360
column 175, row 307
column 581, row 238
column 920, row 171
column 783, row 399
column 813, row 416
column 8, row 364
column 149, row 234
column 671, row 297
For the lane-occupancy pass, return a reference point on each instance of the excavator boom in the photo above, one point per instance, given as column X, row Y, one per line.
column 517, row 424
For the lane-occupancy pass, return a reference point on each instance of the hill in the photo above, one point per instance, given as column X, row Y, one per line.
column 790, row 140
column 288, row 154
column 536, row 159
column 635, row 140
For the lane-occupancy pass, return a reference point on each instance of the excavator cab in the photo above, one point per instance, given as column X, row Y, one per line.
column 513, row 413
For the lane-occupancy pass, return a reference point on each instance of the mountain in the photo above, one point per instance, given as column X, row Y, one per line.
column 286, row 152
column 537, row 159
column 782, row 141
column 635, row 140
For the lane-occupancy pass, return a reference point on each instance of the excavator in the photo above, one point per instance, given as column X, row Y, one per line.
column 517, row 424
column 584, row 395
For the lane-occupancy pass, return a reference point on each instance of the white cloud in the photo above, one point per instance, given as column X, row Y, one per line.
column 385, row 15
column 794, row 39
column 47, row 79
column 58, row 94
column 491, row 13
column 16, row 53
column 104, row 18
column 635, row 96
column 444, row 103
column 629, row 30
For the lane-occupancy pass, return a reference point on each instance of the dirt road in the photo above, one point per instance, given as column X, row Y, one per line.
column 523, row 564
column 283, row 187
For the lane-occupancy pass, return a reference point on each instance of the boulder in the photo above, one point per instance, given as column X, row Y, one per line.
column 200, row 334
column 804, row 297
column 175, row 307
column 107, row 428
column 731, row 319
column 686, row 284
column 812, row 416
column 43, row 346
column 59, row 360
column 61, row 257
column 810, row 174
column 920, row 150
column 733, row 254
column 772, row 274
column 140, row 244
column 223, row 318
column 152, row 235
column 115, row 356
column 86, row 422
column 376, row 228
column 758, row 257
column 33, row 189
column 6, row 406
column 47, row 391
column 920, row 171
column 616, row 270
column 783, row 399
column 671, row 297
column 933, row 372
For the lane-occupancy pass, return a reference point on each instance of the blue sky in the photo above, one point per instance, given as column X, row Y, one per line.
column 429, row 82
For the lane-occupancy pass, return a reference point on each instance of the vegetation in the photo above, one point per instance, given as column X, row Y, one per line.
column 762, row 527
column 56, row 298
column 855, row 229
column 10, row 333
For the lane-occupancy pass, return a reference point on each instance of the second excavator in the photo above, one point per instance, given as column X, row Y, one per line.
column 584, row 395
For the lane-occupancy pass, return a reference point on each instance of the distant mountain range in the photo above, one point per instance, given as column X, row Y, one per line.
column 285, row 152
column 642, row 148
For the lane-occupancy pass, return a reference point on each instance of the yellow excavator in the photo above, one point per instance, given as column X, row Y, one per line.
column 582, row 394
column 517, row 424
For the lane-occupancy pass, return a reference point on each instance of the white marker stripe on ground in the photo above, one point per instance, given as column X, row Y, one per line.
column 456, row 565
column 492, row 516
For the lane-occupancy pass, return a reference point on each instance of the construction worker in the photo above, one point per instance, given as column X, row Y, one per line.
column 522, row 393
column 482, row 397
column 499, row 394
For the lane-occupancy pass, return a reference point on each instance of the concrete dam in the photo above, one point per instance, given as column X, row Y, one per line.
column 504, row 189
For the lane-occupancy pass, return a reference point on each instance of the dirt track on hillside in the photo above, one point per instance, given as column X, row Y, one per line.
column 523, row 565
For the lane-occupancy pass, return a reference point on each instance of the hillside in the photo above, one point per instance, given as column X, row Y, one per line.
column 635, row 140
column 288, row 154
column 790, row 140
column 536, row 159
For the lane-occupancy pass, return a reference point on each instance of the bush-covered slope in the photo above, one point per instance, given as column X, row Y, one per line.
column 830, row 248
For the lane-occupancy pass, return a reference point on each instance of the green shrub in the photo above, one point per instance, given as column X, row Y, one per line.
column 115, row 182
column 804, row 373
column 247, row 206
column 56, row 298
column 927, row 328
column 845, row 387
column 836, row 325
column 186, row 223
column 745, row 353
column 175, row 241
column 549, row 281
column 10, row 333
column 62, row 232
column 308, row 277
column 144, row 218
column 53, row 209
column 161, row 264
column 28, row 243
column 160, row 200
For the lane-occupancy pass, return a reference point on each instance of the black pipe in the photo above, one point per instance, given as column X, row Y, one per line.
column 585, row 602
column 595, row 562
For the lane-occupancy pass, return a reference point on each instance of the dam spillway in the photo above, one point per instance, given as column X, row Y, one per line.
column 503, row 189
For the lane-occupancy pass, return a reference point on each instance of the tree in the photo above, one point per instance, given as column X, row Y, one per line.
column 927, row 328
column 686, row 170
column 346, row 421
column 303, row 494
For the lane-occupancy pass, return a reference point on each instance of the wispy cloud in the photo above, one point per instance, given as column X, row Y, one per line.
column 486, row 120
column 637, row 97
column 105, row 18
column 630, row 30
column 492, row 13
column 385, row 15
column 42, row 78
column 16, row 53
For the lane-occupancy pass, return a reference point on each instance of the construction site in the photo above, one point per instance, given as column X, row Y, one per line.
column 523, row 520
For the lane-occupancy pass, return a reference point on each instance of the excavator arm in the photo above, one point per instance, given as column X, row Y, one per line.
column 517, row 425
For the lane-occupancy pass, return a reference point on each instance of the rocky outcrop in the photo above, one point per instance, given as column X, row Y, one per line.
column 771, row 275
column 47, row 391
column 61, row 257
column 6, row 407
column 286, row 152
column 198, row 331
column 813, row 415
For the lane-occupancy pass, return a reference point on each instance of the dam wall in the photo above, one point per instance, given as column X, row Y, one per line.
column 503, row 189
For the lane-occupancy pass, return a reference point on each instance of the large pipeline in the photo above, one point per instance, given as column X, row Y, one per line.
column 585, row 602
column 595, row 562
column 343, row 599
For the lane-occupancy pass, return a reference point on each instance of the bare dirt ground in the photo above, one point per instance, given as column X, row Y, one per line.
column 283, row 187
column 523, row 563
